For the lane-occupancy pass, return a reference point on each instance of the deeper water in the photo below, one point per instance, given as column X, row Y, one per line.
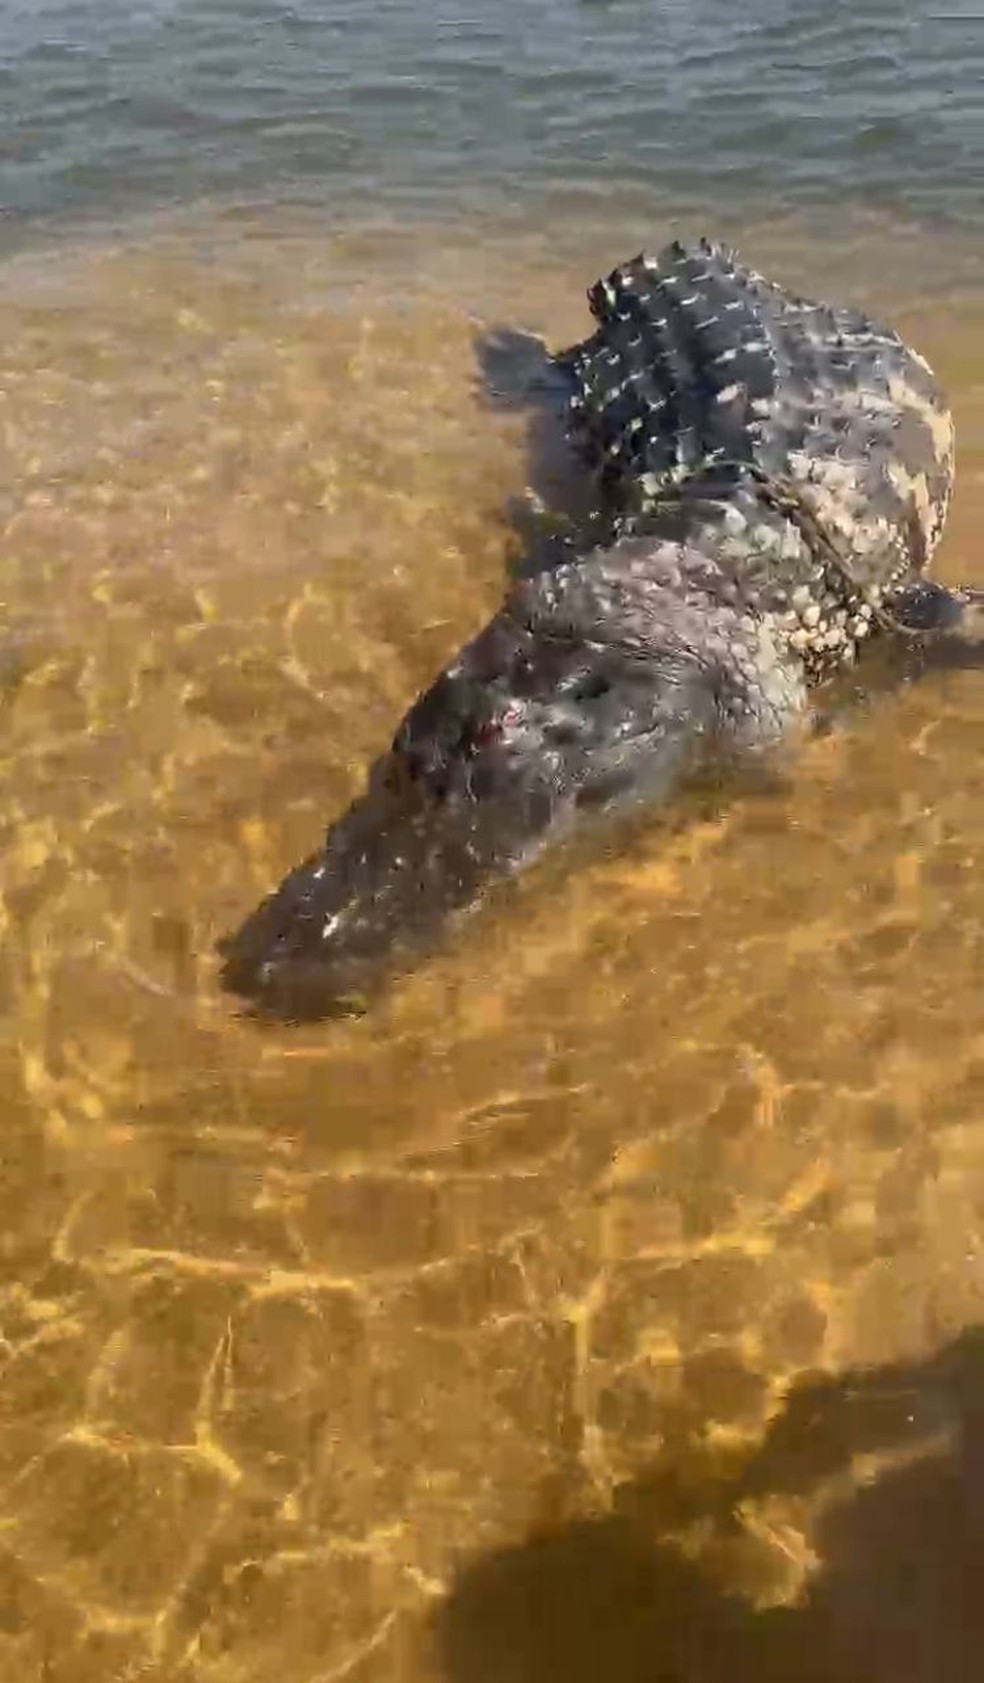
column 494, row 110
column 300, row 1330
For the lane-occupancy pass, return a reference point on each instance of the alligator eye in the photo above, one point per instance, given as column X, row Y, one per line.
column 591, row 687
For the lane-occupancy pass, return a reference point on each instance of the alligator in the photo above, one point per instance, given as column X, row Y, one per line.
column 769, row 481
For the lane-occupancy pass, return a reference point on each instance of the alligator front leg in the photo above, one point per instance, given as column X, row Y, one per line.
column 942, row 625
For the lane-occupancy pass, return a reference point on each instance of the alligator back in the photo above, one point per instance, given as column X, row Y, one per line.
column 698, row 360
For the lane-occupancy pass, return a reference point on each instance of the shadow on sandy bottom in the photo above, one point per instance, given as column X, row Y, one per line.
column 898, row 1596
column 560, row 515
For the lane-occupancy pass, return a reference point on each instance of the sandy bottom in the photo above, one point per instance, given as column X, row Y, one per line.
column 300, row 1328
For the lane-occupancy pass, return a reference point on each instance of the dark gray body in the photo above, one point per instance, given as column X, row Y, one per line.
column 772, row 478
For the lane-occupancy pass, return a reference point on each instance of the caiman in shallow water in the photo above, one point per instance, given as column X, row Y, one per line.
column 773, row 477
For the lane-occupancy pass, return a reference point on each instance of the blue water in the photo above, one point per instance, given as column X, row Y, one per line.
column 420, row 109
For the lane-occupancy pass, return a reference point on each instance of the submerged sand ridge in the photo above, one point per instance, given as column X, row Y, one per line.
column 291, row 1320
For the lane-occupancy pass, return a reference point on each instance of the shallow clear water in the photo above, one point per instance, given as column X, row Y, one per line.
column 296, row 1326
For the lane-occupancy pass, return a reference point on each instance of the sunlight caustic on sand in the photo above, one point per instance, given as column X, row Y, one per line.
column 295, row 1319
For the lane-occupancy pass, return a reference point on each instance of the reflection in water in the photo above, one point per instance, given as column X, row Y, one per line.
column 293, row 1321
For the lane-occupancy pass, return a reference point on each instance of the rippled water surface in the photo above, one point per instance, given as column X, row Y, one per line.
column 106, row 105
column 607, row 1299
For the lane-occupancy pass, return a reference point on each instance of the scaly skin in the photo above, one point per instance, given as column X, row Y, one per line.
column 774, row 476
